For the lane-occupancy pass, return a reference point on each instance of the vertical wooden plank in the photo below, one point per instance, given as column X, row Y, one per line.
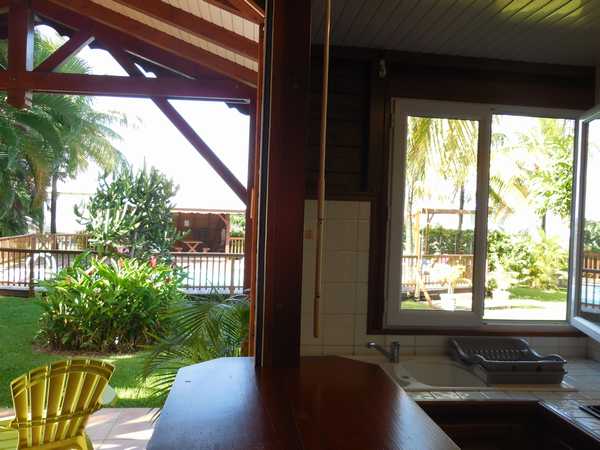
column 20, row 49
column 285, row 132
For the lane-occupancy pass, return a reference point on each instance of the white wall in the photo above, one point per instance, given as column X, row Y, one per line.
column 345, row 288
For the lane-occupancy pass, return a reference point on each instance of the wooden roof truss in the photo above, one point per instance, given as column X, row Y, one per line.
column 182, row 69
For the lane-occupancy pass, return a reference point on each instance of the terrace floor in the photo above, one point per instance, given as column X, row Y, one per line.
column 116, row 428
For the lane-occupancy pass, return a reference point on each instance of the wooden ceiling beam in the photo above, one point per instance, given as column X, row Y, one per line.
column 235, row 7
column 57, row 17
column 76, row 42
column 186, row 130
column 195, row 25
column 121, row 86
column 20, row 49
column 249, row 10
column 147, row 34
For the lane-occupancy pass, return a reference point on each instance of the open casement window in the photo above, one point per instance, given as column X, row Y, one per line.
column 480, row 215
column 585, row 259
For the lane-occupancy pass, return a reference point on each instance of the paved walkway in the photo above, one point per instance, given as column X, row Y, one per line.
column 117, row 428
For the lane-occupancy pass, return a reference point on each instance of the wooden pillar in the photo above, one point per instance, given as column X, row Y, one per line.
column 282, row 182
column 20, row 50
column 251, row 244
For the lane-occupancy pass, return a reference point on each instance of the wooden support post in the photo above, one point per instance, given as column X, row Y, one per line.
column 20, row 50
column 186, row 130
column 78, row 41
column 251, row 244
column 284, row 138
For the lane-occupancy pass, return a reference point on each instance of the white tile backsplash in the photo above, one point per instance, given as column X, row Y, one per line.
column 339, row 298
column 345, row 293
column 338, row 329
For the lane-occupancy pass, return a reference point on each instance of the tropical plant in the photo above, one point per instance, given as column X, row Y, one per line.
column 107, row 305
column 552, row 174
column 238, row 225
column 591, row 236
column 442, row 240
column 202, row 328
column 131, row 213
column 53, row 139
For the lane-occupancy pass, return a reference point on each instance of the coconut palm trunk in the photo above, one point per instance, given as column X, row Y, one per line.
column 53, row 203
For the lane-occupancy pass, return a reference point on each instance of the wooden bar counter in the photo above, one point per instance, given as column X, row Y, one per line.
column 328, row 403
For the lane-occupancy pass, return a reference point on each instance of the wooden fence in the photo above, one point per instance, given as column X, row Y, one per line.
column 236, row 245
column 415, row 270
column 25, row 269
column 45, row 241
column 590, row 282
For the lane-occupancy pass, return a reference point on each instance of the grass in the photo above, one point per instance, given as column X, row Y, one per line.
column 516, row 293
column 18, row 326
column 543, row 295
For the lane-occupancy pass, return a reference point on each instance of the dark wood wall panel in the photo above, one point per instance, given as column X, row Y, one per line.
column 347, row 135
column 359, row 120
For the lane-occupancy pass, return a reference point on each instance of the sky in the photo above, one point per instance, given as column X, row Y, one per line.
column 152, row 140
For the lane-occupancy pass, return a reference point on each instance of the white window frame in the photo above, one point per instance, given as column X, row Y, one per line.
column 401, row 109
column 592, row 329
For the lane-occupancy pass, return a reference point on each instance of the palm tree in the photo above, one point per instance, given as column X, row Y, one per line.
column 440, row 148
column 54, row 139
column 203, row 328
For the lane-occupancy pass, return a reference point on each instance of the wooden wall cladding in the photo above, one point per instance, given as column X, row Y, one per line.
column 347, row 126
column 357, row 137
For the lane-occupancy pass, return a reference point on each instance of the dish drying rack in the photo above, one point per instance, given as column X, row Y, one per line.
column 507, row 360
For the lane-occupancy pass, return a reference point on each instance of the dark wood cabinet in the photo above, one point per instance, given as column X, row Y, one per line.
column 514, row 425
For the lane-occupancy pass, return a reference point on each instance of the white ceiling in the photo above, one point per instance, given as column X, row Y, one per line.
column 554, row 31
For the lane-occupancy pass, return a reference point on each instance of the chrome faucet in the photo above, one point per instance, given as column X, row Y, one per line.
column 392, row 355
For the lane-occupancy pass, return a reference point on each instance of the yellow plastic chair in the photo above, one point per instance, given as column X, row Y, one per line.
column 53, row 403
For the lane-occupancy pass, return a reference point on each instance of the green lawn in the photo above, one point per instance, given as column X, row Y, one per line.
column 18, row 326
column 527, row 293
column 516, row 293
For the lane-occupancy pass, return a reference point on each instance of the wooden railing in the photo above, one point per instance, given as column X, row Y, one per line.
column 590, row 283
column 25, row 269
column 236, row 245
column 46, row 241
column 414, row 271
column 206, row 272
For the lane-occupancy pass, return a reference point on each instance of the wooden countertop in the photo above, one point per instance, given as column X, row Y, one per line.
column 328, row 403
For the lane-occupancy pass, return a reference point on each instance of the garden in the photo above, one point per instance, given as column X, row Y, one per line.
column 529, row 206
column 122, row 301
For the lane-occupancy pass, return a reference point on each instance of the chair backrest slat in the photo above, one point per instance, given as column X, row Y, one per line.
column 53, row 403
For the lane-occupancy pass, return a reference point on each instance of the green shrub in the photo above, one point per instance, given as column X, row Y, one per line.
column 536, row 263
column 105, row 305
column 131, row 213
column 591, row 236
column 442, row 240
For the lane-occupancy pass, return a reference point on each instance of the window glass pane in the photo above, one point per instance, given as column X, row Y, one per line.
column 531, row 176
column 590, row 267
column 439, row 214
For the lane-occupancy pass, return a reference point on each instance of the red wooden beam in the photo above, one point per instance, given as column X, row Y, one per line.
column 20, row 49
column 77, row 84
column 52, row 15
column 285, row 135
column 195, row 25
column 249, row 10
column 178, row 47
column 65, row 51
column 201, row 147
column 234, row 8
column 186, row 130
